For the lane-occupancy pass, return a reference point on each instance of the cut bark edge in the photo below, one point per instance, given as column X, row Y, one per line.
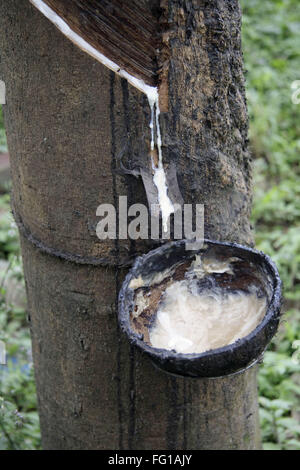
column 126, row 38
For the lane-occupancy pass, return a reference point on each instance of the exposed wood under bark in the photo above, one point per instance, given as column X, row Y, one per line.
column 125, row 32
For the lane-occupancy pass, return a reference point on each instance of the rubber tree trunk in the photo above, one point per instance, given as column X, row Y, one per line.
column 68, row 121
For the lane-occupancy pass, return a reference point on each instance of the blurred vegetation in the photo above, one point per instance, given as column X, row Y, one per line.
column 19, row 423
column 271, row 43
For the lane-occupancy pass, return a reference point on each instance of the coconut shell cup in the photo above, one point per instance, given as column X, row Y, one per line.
column 255, row 267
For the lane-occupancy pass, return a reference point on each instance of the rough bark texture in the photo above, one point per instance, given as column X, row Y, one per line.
column 68, row 121
column 205, row 130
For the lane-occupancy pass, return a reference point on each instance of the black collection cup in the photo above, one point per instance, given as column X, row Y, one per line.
column 222, row 361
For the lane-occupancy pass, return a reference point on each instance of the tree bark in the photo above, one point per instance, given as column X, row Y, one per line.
column 68, row 122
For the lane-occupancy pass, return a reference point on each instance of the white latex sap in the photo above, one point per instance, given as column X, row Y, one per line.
column 189, row 322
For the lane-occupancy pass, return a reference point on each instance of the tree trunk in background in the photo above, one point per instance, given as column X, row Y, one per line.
column 68, row 120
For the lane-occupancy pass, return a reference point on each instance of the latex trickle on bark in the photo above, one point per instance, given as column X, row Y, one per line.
column 159, row 175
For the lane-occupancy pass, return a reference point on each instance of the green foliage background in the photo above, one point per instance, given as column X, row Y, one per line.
column 271, row 42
